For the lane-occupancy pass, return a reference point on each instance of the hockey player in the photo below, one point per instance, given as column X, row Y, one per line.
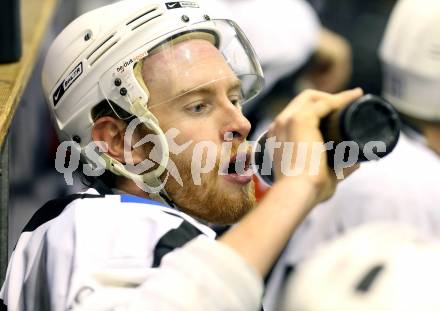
column 152, row 91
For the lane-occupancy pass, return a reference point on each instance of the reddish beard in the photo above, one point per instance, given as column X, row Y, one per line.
column 210, row 201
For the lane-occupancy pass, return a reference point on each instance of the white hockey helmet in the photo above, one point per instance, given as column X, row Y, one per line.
column 410, row 54
column 94, row 59
column 380, row 267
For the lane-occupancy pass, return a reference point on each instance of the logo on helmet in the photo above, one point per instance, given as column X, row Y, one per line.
column 181, row 4
column 67, row 82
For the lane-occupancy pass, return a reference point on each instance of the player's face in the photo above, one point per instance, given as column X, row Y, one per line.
column 204, row 106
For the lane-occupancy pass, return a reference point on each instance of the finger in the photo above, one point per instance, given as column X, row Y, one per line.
column 313, row 95
column 324, row 106
column 306, row 97
column 343, row 98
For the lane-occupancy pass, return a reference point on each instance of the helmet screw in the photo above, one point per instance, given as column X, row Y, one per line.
column 118, row 82
column 185, row 18
column 87, row 36
column 123, row 91
column 206, row 17
column 76, row 139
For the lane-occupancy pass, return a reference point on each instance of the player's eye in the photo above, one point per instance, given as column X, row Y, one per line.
column 197, row 108
column 236, row 101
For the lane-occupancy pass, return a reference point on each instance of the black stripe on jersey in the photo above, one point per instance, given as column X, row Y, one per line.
column 3, row 307
column 101, row 187
column 173, row 239
column 53, row 208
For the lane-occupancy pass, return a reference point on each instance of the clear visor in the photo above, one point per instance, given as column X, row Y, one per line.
column 207, row 63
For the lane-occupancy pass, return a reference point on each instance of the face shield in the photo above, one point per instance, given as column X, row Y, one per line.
column 203, row 56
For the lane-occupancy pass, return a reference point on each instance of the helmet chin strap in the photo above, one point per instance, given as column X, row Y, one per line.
column 150, row 182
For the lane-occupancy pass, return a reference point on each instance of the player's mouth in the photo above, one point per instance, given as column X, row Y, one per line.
column 237, row 170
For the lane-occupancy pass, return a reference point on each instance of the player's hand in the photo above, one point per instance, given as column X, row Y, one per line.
column 299, row 123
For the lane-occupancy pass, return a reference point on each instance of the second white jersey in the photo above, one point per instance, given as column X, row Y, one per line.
column 404, row 187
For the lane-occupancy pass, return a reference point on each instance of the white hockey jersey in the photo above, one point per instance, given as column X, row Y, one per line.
column 94, row 252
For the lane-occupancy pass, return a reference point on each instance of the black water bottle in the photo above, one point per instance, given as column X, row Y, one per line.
column 369, row 118
column 10, row 34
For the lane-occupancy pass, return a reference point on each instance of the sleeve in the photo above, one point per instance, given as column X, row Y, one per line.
column 350, row 207
column 370, row 195
column 203, row 275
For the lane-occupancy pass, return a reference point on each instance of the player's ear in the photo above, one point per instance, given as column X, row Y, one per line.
column 111, row 131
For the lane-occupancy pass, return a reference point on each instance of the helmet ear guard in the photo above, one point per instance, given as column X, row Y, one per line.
column 138, row 107
column 130, row 93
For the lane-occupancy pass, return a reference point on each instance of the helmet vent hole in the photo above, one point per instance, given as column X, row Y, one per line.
column 88, row 36
column 143, row 18
column 101, row 49
column 146, row 21
column 368, row 279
